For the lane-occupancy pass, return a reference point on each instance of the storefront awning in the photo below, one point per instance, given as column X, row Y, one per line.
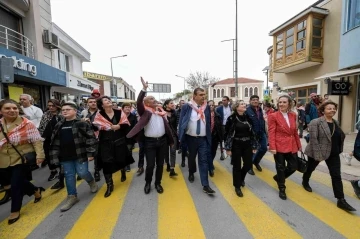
column 339, row 74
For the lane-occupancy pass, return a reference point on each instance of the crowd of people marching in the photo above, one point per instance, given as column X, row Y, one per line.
column 66, row 140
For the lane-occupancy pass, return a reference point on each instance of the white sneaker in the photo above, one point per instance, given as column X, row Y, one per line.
column 70, row 201
column 347, row 158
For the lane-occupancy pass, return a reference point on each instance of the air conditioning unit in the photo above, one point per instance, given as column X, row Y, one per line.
column 50, row 39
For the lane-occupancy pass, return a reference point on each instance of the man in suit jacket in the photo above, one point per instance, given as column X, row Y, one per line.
column 195, row 131
column 154, row 130
column 224, row 110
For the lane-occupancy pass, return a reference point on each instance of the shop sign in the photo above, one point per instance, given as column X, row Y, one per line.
column 95, row 76
column 86, row 86
column 22, row 65
column 339, row 88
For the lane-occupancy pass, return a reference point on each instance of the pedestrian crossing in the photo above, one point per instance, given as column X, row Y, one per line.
column 184, row 211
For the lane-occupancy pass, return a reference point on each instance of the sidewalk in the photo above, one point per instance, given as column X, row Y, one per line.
column 348, row 172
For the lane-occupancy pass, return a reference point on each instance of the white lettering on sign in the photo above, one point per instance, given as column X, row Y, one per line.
column 22, row 65
column 87, row 86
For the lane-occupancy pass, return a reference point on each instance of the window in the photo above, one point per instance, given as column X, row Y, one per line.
column 279, row 46
column 301, row 36
column 218, row 93
column 251, row 91
column 289, row 42
column 222, row 93
column 317, row 33
column 256, row 91
column 302, row 94
column 246, row 92
column 353, row 14
column 63, row 62
column 232, row 91
column 214, row 93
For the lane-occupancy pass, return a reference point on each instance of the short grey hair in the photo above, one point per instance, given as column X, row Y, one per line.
column 27, row 95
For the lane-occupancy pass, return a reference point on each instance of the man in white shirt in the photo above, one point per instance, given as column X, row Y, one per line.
column 225, row 110
column 32, row 112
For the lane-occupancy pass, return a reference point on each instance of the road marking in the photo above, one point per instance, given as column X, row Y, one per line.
column 259, row 219
column 325, row 179
column 177, row 213
column 100, row 216
column 345, row 223
column 32, row 214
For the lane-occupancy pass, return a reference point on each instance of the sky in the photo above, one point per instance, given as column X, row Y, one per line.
column 164, row 38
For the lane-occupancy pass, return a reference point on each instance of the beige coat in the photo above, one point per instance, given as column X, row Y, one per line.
column 319, row 146
column 9, row 157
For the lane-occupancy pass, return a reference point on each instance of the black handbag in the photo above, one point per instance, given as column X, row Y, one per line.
column 302, row 163
column 28, row 158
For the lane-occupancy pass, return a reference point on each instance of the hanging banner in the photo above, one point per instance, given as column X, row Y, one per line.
column 15, row 92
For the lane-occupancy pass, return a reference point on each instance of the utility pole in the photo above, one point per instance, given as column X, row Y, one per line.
column 114, row 87
column 236, row 51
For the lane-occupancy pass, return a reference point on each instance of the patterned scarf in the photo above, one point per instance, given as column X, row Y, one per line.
column 158, row 111
column 104, row 124
column 200, row 111
column 24, row 133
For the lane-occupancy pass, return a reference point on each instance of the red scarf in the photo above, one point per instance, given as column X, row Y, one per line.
column 104, row 124
column 158, row 111
column 200, row 111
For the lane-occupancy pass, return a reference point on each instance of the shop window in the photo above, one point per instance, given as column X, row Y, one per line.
column 64, row 63
column 353, row 14
column 246, row 92
column 302, row 94
column 232, row 91
column 222, row 93
column 256, row 91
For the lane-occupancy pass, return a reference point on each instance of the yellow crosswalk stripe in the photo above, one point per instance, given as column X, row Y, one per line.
column 178, row 217
column 345, row 223
column 32, row 214
column 100, row 216
column 324, row 178
column 259, row 219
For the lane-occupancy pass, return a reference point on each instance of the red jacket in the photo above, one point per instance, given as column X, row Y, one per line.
column 282, row 138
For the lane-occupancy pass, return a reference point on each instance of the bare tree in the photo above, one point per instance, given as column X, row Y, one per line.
column 200, row 79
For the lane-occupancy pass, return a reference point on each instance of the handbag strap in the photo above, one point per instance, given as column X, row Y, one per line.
column 8, row 140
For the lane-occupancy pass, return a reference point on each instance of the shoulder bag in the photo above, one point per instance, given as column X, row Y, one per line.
column 28, row 158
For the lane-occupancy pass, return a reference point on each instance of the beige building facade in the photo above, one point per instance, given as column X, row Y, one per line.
column 305, row 48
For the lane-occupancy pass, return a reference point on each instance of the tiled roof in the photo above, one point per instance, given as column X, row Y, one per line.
column 241, row 80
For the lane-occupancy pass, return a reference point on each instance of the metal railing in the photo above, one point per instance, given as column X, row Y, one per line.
column 17, row 42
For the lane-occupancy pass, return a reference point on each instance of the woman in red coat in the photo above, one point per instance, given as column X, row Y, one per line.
column 284, row 142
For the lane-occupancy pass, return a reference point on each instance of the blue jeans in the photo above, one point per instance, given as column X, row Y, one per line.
column 200, row 147
column 71, row 168
column 262, row 150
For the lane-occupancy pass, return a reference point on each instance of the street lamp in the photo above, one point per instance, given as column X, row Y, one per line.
column 184, row 82
column 234, row 63
column 112, row 74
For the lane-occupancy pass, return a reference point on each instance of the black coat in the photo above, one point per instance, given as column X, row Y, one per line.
column 218, row 132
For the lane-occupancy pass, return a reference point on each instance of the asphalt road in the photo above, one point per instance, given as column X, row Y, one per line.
column 184, row 211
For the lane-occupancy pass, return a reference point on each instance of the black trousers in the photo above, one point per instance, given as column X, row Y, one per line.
column 334, row 165
column 141, row 154
column 286, row 165
column 241, row 151
column 20, row 185
column 155, row 150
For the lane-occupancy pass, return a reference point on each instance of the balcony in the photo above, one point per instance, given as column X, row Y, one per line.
column 15, row 41
column 298, row 43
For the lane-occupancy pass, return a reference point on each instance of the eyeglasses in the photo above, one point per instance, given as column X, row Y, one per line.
column 66, row 110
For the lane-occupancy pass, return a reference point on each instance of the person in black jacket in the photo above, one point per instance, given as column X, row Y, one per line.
column 169, row 107
column 126, row 108
column 217, row 135
column 240, row 143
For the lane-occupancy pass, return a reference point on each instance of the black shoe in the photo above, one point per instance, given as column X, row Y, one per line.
column 123, row 175
column 147, row 188
column 191, row 178
column 242, row 184
column 40, row 190
column 208, row 190
column 306, row 186
column 128, row 169
column 172, row 173
column 53, row 175
column 58, row 185
column 282, row 194
column 97, row 176
column 342, row 204
column 211, row 173
column 7, row 196
column 78, row 178
column 159, row 188
column 258, row 167
column 168, row 168
column 140, row 171
column 355, row 185
column 238, row 192
column 251, row 172
column 183, row 163
column 109, row 185
column 11, row 221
